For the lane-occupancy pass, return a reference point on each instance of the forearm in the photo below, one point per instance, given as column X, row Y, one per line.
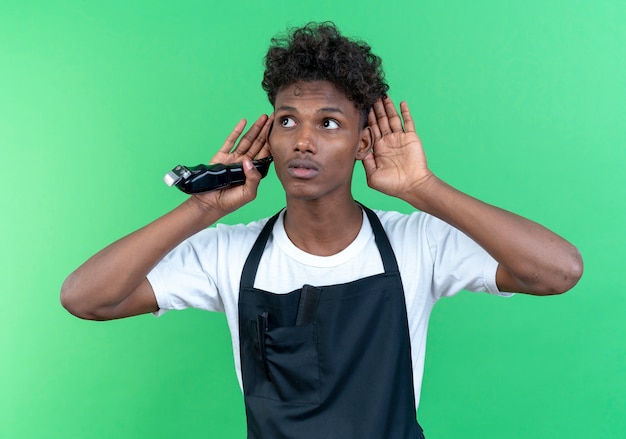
column 532, row 259
column 112, row 283
column 108, row 278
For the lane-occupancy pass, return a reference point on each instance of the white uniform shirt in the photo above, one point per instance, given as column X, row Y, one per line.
column 434, row 259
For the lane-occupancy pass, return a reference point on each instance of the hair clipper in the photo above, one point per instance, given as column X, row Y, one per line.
column 206, row 178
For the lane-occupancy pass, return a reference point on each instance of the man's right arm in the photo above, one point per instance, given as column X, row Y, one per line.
column 112, row 284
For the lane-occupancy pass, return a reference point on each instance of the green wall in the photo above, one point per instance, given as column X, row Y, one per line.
column 522, row 105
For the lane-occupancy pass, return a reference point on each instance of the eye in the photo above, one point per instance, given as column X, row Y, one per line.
column 330, row 124
column 287, row 122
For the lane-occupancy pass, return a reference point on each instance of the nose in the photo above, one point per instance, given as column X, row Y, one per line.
column 305, row 139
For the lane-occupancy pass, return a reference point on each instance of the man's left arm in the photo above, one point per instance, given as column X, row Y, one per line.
column 531, row 258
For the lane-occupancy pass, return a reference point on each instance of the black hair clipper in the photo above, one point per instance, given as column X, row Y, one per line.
column 206, row 178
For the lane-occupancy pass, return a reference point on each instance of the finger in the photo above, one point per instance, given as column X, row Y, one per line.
column 267, row 148
column 373, row 124
column 248, row 139
column 264, row 152
column 230, row 141
column 393, row 118
column 381, row 117
column 260, row 146
column 409, row 125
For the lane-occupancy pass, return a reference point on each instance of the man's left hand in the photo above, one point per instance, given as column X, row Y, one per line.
column 396, row 164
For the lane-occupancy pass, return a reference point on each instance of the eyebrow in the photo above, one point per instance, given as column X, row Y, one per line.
column 329, row 110
column 285, row 108
column 320, row 110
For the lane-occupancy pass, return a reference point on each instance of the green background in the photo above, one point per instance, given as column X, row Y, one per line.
column 522, row 104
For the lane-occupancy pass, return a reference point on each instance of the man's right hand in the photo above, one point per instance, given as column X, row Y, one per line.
column 252, row 145
column 113, row 283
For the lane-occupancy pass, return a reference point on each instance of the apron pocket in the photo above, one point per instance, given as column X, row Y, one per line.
column 292, row 365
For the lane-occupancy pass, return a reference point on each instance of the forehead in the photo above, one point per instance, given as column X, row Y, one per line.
column 314, row 95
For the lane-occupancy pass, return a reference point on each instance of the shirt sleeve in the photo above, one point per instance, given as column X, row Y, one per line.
column 437, row 259
column 459, row 263
column 182, row 279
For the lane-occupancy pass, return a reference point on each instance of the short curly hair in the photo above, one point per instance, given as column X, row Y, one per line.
column 318, row 52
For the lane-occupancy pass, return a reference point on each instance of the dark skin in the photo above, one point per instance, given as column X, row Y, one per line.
column 531, row 259
column 316, row 138
column 112, row 284
column 315, row 141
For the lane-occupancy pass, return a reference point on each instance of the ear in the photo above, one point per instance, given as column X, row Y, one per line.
column 365, row 143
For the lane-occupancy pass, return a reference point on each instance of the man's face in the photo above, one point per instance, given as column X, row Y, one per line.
column 315, row 140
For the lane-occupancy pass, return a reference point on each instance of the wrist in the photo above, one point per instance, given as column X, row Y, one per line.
column 201, row 213
column 423, row 193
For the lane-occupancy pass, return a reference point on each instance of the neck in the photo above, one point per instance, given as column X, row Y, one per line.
column 323, row 228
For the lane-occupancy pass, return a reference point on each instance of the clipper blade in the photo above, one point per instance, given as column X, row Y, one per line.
column 176, row 175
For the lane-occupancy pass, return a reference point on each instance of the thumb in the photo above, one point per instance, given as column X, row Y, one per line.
column 253, row 176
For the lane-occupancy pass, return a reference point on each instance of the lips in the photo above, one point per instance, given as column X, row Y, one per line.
column 304, row 169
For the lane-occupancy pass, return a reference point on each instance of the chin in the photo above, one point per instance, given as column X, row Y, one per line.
column 301, row 195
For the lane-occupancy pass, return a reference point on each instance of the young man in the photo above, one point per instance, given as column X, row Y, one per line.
column 327, row 302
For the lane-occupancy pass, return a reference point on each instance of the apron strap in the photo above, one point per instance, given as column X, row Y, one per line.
column 382, row 241
column 254, row 257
